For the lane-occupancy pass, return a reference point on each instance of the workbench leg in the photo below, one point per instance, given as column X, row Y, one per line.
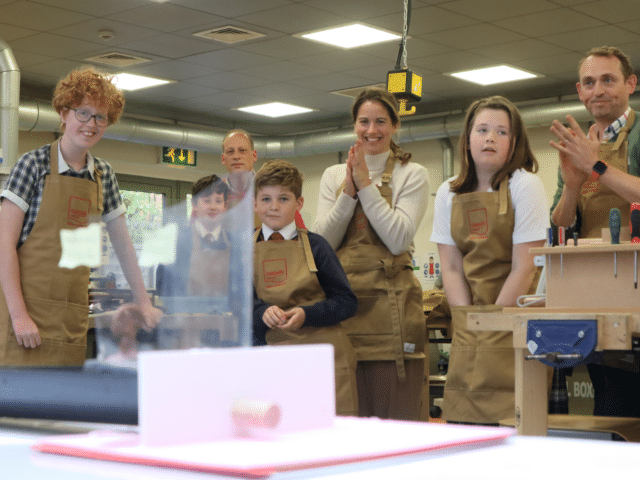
column 532, row 403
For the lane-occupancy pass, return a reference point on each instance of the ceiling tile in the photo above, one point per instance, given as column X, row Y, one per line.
column 57, row 69
column 165, row 17
column 331, row 81
column 322, row 101
column 633, row 26
column 88, row 31
column 446, row 86
column 280, row 92
column 492, row 10
column 611, row 11
column 424, row 20
column 231, row 100
column 174, row 70
column 520, row 50
column 358, row 10
column 550, row 22
column 38, row 17
column 571, row 3
column 378, row 73
column 553, row 64
column 10, row 32
column 294, row 18
column 282, row 71
column 453, row 62
column 96, row 8
column 231, row 8
column 340, row 60
column 474, row 36
column 416, row 48
column 229, row 81
column 229, row 59
column 175, row 91
column 170, row 46
column 149, row 99
column 54, row 45
column 223, row 22
column 632, row 50
column 584, row 40
column 28, row 59
column 81, row 57
column 286, row 47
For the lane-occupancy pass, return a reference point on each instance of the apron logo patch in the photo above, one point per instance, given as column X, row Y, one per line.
column 590, row 187
column 78, row 214
column 361, row 221
column 478, row 223
column 274, row 272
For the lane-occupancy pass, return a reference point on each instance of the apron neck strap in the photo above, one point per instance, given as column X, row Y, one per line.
column 624, row 131
column 53, row 158
column 304, row 237
column 503, row 190
column 388, row 170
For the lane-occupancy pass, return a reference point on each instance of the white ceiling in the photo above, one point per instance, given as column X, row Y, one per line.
column 51, row 37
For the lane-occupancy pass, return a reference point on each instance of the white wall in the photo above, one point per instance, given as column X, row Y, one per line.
column 143, row 160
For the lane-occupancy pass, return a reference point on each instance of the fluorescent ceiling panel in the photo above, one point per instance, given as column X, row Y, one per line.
column 350, row 36
column 127, row 81
column 492, row 75
column 275, row 109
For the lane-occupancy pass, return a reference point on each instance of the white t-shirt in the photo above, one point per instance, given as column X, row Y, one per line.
column 529, row 203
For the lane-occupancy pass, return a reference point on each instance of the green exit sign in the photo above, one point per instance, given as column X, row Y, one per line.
column 179, row 156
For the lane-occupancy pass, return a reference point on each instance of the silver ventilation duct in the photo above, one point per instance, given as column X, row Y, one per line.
column 9, row 100
column 40, row 116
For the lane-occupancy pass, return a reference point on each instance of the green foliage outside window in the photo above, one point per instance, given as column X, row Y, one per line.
column 144, row 213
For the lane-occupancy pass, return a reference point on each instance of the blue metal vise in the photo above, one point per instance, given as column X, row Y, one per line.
column 561, row 343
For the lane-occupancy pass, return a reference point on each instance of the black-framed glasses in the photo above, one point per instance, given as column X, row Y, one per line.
column 84, row 116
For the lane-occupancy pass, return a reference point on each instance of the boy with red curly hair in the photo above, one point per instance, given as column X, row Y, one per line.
column 44, row 308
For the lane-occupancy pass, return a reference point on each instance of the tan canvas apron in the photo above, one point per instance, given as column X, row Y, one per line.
column 480, row 380
column 56, row 298
column 597, row 200
column 284, row 275
column 390, row 322
column 209, row 267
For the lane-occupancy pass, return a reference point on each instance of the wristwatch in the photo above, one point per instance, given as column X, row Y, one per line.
column 598, row 169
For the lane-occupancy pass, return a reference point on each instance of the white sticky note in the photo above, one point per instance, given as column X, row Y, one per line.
column 160, row 246
column 80, row 247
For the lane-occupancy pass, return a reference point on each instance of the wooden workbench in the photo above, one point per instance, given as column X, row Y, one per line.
column 581, row 285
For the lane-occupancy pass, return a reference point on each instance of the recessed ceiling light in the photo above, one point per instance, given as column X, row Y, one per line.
column 275, row 109
column 128, row 81
column 491, row 75
column 350, row 36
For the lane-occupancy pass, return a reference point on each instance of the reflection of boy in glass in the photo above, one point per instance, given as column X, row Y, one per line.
column 209, row 261
column 202, row 260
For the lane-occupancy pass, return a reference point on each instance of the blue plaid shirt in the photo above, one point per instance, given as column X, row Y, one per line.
column 26, row 184
column 613, row 130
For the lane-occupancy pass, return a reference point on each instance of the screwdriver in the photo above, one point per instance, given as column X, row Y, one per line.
column 614, row 228
column 634, row 226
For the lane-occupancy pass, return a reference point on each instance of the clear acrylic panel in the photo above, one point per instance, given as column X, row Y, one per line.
column 202, row 283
